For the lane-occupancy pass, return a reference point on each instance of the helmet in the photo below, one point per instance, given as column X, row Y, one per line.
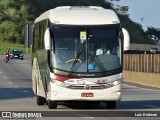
column 7, row 51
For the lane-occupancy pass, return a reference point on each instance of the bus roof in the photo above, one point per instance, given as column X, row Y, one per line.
column 80, row 15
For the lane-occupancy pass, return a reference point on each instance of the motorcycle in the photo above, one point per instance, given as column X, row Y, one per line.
column 7, row 58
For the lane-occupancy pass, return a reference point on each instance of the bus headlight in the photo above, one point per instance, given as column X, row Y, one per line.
column 114, row 83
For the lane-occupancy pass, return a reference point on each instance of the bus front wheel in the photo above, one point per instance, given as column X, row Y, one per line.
column 52, row 104
column 111, row 104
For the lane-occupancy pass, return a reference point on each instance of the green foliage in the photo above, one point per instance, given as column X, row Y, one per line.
column 114, row 0
column 8, row 33
column 154, row 34
column 122, row 9
column 13, row 16
column 40, row 6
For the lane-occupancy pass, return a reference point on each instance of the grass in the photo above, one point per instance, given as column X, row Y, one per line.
column 5, row 45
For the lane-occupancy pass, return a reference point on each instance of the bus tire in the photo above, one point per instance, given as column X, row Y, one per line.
column 52, row 104
column 88, row 104
column 96, row 103
column 111, row 104
column 40, row 100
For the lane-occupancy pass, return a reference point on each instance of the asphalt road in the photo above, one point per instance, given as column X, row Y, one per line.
column 16, row 95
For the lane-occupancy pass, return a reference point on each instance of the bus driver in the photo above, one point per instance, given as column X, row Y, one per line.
column 103, row 50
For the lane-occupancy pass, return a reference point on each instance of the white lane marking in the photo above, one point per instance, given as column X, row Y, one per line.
column 5, row 77
column 88, row 117
column 151, row 106
column 25, row 91
column 0, row 72
column 85, row 116
column 10, row 82
column 16, row 86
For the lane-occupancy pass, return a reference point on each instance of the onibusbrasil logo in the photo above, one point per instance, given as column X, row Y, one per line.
column 21, row 115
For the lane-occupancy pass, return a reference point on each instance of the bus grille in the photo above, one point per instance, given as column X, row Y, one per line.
column 91, row 87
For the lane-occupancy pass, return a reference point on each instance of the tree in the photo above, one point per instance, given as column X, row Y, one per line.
column 154, row 34
column 14, row 15
column 122, row 10
column 41, row 6
column 114, row 0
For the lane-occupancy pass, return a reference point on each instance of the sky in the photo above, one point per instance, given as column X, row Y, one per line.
column 149, row 10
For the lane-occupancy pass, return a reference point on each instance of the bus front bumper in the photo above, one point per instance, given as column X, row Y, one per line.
column 58, row 93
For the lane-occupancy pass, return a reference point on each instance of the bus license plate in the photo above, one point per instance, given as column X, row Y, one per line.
column 87, row 95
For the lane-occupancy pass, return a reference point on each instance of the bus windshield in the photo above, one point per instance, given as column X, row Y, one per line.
column 86, row 49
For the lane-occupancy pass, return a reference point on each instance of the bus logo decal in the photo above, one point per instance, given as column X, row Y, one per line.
column 87, row 87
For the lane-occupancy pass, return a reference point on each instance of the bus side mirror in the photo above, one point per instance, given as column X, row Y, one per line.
column 47, row 39
column 126, row 40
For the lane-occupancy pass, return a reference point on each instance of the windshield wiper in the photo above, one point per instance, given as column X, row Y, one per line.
column 75, row 61
column 96, row 60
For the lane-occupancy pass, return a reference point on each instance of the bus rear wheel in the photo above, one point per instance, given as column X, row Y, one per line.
column 52, row 104
column 111, row 104
column 40, row 100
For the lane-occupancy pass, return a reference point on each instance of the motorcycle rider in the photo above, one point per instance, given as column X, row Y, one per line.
column 6, row 53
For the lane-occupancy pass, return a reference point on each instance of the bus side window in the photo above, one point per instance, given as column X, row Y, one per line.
column 52, row 52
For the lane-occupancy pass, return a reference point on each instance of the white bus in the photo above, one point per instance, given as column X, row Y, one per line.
column 65, row 62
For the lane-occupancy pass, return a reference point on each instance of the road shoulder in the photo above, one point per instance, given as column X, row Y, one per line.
column 141, row 86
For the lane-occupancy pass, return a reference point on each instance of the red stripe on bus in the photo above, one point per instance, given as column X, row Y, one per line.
column 61, row 78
